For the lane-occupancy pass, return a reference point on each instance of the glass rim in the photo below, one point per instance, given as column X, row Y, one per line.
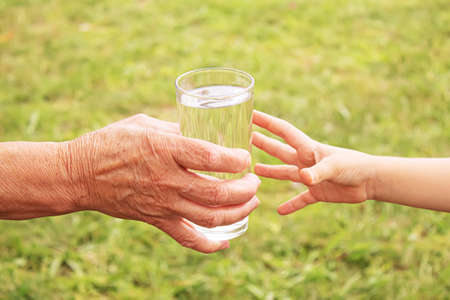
column 187, row 92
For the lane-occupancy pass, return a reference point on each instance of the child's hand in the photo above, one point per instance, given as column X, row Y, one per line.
column 332, row 174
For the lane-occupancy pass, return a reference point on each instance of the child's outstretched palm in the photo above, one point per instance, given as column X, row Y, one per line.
column 332, row 174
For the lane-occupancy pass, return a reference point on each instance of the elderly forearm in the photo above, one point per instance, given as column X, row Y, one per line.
column 418, row 182
column 34, row 182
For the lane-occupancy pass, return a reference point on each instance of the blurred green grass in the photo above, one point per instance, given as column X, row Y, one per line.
column 364, row 74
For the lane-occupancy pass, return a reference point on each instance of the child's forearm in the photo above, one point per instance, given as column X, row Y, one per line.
column 418, row 182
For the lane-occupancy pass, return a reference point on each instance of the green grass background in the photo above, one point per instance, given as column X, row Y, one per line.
column 372, row 75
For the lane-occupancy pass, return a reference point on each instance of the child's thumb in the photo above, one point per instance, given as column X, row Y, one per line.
column 325, row 169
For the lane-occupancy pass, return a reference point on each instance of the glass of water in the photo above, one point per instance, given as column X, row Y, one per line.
column 216, row 104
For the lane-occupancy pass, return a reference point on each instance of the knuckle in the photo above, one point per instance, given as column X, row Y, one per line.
column 154, row 141
column 188, row 241
column 186, row 189
column 211, row 220
column 221, row 194
column 183, row 147
column 157, row 222
column 211, row 157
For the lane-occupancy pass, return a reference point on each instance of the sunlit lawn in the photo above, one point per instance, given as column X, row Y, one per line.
column 369, row 75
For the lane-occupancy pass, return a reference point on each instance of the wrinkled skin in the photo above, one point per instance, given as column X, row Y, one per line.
column 139, row 168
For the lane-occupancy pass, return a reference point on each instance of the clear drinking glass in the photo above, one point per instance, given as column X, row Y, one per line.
column 216, row 104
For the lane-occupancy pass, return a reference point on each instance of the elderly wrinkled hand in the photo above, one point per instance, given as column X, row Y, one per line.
column 138, row 168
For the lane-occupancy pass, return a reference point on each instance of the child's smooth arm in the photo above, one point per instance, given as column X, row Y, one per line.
column 341, row 175
column 418, row 182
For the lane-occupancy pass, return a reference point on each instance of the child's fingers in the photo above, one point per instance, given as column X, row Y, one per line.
column 282, row 172
column 286, row 131
column 284, row 152
column 277, row 126
column 296, row 203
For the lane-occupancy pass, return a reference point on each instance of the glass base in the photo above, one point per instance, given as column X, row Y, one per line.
column 223, row 233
